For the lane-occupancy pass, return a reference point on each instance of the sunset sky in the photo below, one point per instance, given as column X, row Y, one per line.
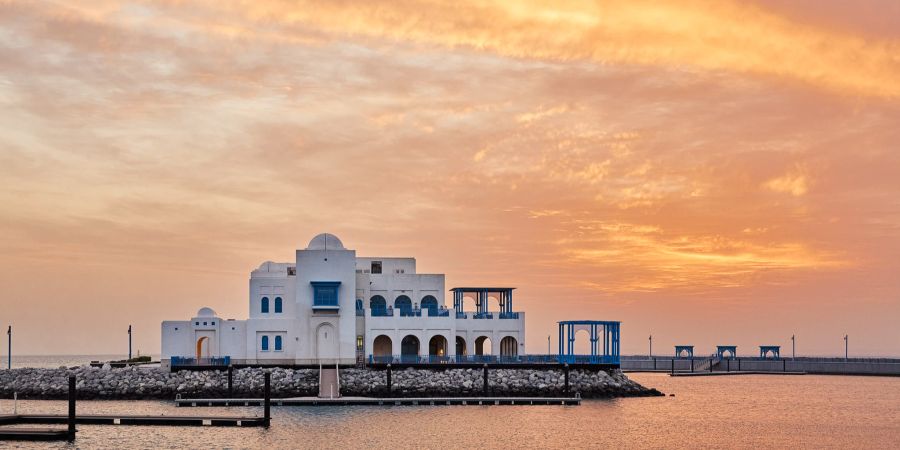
column 711, row 172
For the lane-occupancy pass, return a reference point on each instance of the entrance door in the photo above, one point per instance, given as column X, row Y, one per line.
column 326, row 343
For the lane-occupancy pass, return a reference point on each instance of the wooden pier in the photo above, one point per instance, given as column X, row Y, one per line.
column 123, row 419
column 71, row 419
column 371, row 401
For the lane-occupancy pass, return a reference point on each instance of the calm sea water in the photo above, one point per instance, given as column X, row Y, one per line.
column 749, row 411
column 54, row 361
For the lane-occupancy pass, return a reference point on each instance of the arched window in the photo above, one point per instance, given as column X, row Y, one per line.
column 378, row 305
column 277, row 343
column 404, row 304
column 430, row 303
column 264, row 305
column 277, row 305
column 264, row 345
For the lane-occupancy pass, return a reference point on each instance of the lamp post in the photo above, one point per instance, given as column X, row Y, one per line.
column 846, row 347
column 129, row 341
column 793, row 347
column 9, row 351
column 548, row 345
column 651, row 346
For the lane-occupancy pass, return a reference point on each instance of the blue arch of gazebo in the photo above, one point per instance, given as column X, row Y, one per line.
column 684, row 348
column 604, row 337
column 775, row 349
column 721, row 349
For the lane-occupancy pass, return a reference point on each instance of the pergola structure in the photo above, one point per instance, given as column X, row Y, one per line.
column 775, row 350
column 721, row 349
column 604, row 338
column 481, row 301
column 689, row 349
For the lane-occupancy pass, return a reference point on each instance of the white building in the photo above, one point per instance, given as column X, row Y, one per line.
column 330, row 306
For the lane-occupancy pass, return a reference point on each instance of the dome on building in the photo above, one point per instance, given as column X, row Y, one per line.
column 206, row 312
column 325, row 241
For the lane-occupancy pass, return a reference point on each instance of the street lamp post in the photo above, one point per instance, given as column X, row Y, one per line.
column 9, row 351
column 129, row 341
column 651, row 346
column 793, row 347
column 548, row 345
column 846, row 347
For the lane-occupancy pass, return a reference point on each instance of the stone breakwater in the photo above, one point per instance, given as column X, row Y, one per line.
column 147, row 383
column 154, row 383
column 501, row 382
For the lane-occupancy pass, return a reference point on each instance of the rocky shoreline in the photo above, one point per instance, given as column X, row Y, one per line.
column 133, row 383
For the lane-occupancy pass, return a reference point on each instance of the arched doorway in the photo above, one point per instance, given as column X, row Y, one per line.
column 430, row 303
column 409, row 349
column 404, row 304
column 382, row 349
column 460, row 346
column 326, row 343
column 483, row 346
column 200, row 347
column 509, row 346
column 378, row 303
column 437, row 346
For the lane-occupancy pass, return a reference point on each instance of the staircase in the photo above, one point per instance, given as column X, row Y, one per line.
column 360, row 359
column 702, row 365
column 329, row 383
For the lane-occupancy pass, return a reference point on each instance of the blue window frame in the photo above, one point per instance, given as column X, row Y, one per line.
column 264, row 305
column 264, row 345
column 277, row 343
column 277, row 305
column 325, row 294
column 430, row 303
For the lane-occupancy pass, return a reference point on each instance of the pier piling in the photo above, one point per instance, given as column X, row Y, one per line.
column 566, row 377
column 389, row 377
column 485, row 379
column 230, row 382
column 267, row 399
column 71, row 430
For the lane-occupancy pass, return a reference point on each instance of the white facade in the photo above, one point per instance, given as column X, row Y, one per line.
column 330, row 306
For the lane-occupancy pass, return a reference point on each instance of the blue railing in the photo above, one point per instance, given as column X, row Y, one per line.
column 460, row 315
column 484, row 315
column 325, row 303
column 493, row 359
column 383, row 312
column 182, row 361
column 438, row 312
column 509, row 315
column 410, row 312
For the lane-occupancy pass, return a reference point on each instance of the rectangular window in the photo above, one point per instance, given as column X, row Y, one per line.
column 325, row 294
column 376, row 266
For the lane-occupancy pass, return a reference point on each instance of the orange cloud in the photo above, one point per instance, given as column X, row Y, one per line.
column 704, row 34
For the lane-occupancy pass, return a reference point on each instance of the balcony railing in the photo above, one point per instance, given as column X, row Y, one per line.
column 509, row 315
column 438, row 312
column 484, row 315
column 493, row 359
column 177, row 361
column 325, row 303
column 383, row 312
column 410, row 312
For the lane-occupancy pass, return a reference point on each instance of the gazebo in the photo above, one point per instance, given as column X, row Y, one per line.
column 765, row 350
column 731, row 349
column 687, row 349
column 604, row 338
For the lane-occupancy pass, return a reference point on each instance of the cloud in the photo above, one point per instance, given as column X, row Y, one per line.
column 702, row 34
column 796, row 183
